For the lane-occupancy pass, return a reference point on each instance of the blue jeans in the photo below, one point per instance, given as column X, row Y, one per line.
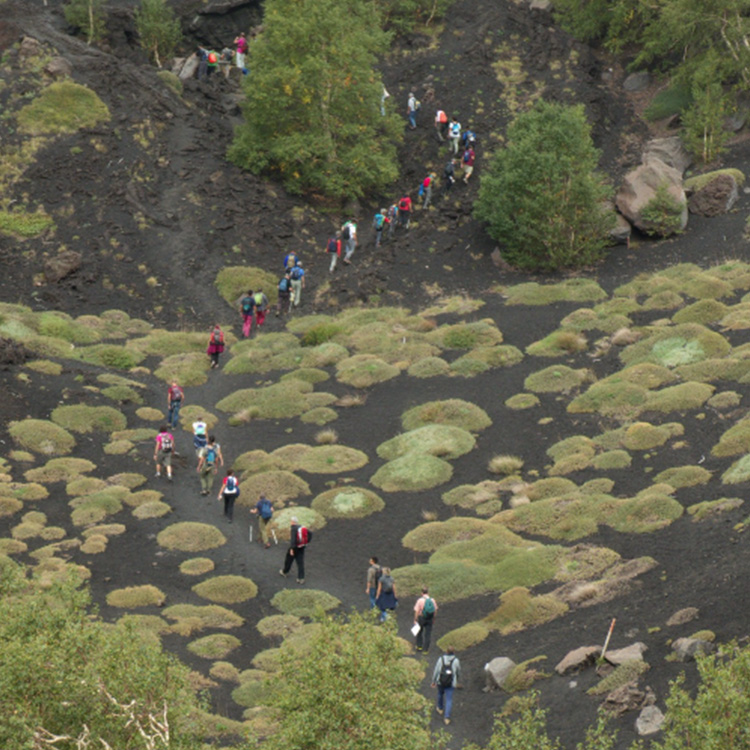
column 174, row 413
column 372, row 593
column 413, row 119
column 447, row 694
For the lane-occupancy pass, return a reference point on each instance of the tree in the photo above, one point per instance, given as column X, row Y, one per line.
column 158, row 29
column 350, row 689
column 312, row 108
column 89, row 16
column 541, row 197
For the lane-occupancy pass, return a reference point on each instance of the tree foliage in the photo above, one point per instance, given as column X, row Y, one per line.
column 312, row 109
column 541, row 197
column 158, row 29
column 89, row 16
column 404, row 15
column 352, row 689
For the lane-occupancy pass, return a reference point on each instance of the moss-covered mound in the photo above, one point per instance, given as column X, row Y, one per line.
column 347, row 502
column 276, row 401
column 229, row 589
column 444, row 441
column 453, row 412
column 136, row 596
column 412, row 473
column 42, row 436
column 331, row 459
column 304, row 602
column 364, row 370
column 282, row 486
column 189, row 536
column 216, row 646
column 282, row 520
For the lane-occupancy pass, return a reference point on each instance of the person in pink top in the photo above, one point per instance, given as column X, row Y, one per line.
column 163, row 451
column 241, row 44
column 468, row 162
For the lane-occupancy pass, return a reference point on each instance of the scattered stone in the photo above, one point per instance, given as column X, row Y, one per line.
column 686, row 648
column 625, row 337
column 497, row 671
column 683, row 616
column 637, row 81
column 620, row 232
column 578, row 659
column 61, row 265
column 715, row 198
column 669, row 150
column 633, row 652
column 649, row 721
column 12, row 353
column 59, row 67
column 30, row 47
column 496, row 258
column 628, row 698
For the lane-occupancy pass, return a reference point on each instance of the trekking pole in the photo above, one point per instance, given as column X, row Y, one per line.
column 609, row 635
column 251, row 533
column 273, row 533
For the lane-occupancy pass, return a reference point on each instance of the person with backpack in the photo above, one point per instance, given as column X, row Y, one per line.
column 299, row 538
column 213, row 62
column 449, row 176
column 427, row 190
column 229, row 492
column 468, row 163
column 349, row 235
column 240, row 42
column 404, row 211
column 333, row 248
column 200, row 436
column 385, row 597
column 373, row 579
column 290, row 260
column 163, row 451
column 215, row 345
column 424, row 614
column 441, row 125
column 445, row 677
column 209, row 459
column 454, row 131
column 469, row 138
column 412, row 107
column 202, row 55
column 297, row 277
column 392, row 219
column 175, row 396
column 247, row 308
column 261, row 307
column 285, row 295
column 264, row 510
column 378, row 224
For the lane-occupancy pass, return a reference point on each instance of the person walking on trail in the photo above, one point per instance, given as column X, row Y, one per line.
column 261, row 308
column 240, row 43
column 427, row 190
column 200, row 436
column 441, row 125
column 424, row 615
column 247, row 308
column 229, row 492
column 202, row 55
column 349, row 235
column 297, row 277
column 299, row 538
column 469, row 138
column 454, row 132
column 215, row 345
column 213, row 62
column 449, row 176
column 412, row 107
column 163, row 449
column 333, row 248
column 290, row 260
column 378, row 224
column 445, row 678
column 373, row 579
column 392, row 219
column 385, row 598
column 285, row 295
column 175, row 396
column 264, row 510
column 468, row 163
column 209, row 460
column 404, row 211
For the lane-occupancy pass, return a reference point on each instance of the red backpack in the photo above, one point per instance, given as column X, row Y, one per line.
column 303, row 536
column 217, row 337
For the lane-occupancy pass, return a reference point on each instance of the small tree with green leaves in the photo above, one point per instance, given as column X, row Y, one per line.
column 89, row 16
column 663, row 213
column 312, row 108
column 158, row 29
column 541, row 197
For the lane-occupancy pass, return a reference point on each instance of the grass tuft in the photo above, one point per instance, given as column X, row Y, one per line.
column 228, row 589
column 136, row 596
column 190, row 536
column 412, row 473
column 304, row 602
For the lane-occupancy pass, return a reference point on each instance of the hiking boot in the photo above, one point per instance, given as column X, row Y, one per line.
column 447, row 721
column 282, row 573
column 267, row 545
column 158, row 474
column 300, row 580
column 440, row 710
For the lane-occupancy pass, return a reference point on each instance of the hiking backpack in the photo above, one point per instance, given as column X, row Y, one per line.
column 175, row 393
column 346, row 234
column 446, row 673
column 212, row 58
column 284, row 285
column 265, row 509
column 166, row 443
column 332, row 245
column 403, row 204
column 467, row 156
column 230, row 486
column 217, row 337
column 247, row 304
column 210, row 455
column 428, row 608
column 296, row 273
column 259, row 300
column 303, row 536
column 379, row 221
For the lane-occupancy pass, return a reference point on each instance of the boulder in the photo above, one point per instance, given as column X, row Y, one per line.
column 716, row 197
column 620, row 232
column 578, row 659
column 30, row 47
column 61, row 265
column 633, row 652
column 639, row 188
column 669, row 150
column 686, row 648
column 628, row 697
column 189, row 68
column 625, row 337
column 683, row 616
column 637, row 81
column 649, row 721
column 497, row 671
column 59, row 67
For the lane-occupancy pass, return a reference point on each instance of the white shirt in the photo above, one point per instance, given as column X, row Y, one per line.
column 199, row 428
column 455, row 129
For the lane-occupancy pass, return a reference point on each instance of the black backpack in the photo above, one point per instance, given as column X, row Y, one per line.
column 446, row 673
column 247, row 304
column 346, row 234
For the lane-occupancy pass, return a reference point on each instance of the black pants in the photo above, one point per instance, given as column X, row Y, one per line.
column 424, row 634
column 299, row 556
column 229, row 505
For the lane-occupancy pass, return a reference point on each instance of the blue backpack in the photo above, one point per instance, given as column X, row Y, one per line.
column 247, row 304
column 231, row 487
column 284, row 285
column 210, row 455
column 265, row 509
column 297, row 273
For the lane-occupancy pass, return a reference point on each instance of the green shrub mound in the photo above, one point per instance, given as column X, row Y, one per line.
column 464, row 637
column 522, row 401
column 614, row 459
column 556, row 379
column 570, row 290
column 132, row 597
column 154, row 509
column 683, row 476
column 595, row 319
column 216, row 646
column 738, row 472
column 111, row 355
column 281, row 486
column 428, row 537
column 190, row 536
column 453, row 412
column 277, row 401
column 520, row 609
column 82, row 419
column 197, row 566
column 412, row 473
column 278, row 626
column 228, row 589
column 676, row 345
column 62, row 107
column 428, row 367
column 319, row 415
column 42, row 436
column 191, row 618
column 304, row 602
column 734, row 441
column 703, row 311
column 189, row 369
column 282, row 520
column 441, row 440
column 681, row 398
column 61, row 470
column 473, row 496
column 708, row 508
column 364, row 370
column 347, row 502
column 234, row 281
column 331, row 459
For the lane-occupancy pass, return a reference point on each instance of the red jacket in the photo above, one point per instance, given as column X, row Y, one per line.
column 404, row 204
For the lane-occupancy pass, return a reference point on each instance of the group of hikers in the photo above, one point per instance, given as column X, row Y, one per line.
column 210, row 61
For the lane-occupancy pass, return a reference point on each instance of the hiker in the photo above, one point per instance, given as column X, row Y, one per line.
column 212, row 61
column 297, row 277
column 378, row 224
column 240, row 43
column 163, row 451
column 385, row 96
column 299, row 538
column 385, row 597
column 247, row 308
column 202, row 54
column 264, row 510
column 468, row 163
column 261, row 307
column 392, row 219
column 373, row 579
column 175, row 395
column 215, row 345
column 412, row 107
column 427, row 190
column 200, row 431
column 404, row 211
column 424, row 614
column 454, row 132
column 333, row 248
column 290, row 260
column 441, row 125
column 469, row 138
column 230, row 490
column 225, row 61
column 445, row 677
column 449, row 176
column 349, row 235
column 285, row 292
column 209, row 460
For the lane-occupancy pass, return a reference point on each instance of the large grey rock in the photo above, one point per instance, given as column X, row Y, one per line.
column 61, row 265
column 639, row 188
column 59, row 67
column 683, row 616
column 686, row 648
column 649, row 721
column 669, row 150
column 189, row 68
column 621, row 231
column 637, row 81
column 633, row 652
column 628, row 697
column 30, row 47
column 578, row 659
column 497, row 671
column 716, row 197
